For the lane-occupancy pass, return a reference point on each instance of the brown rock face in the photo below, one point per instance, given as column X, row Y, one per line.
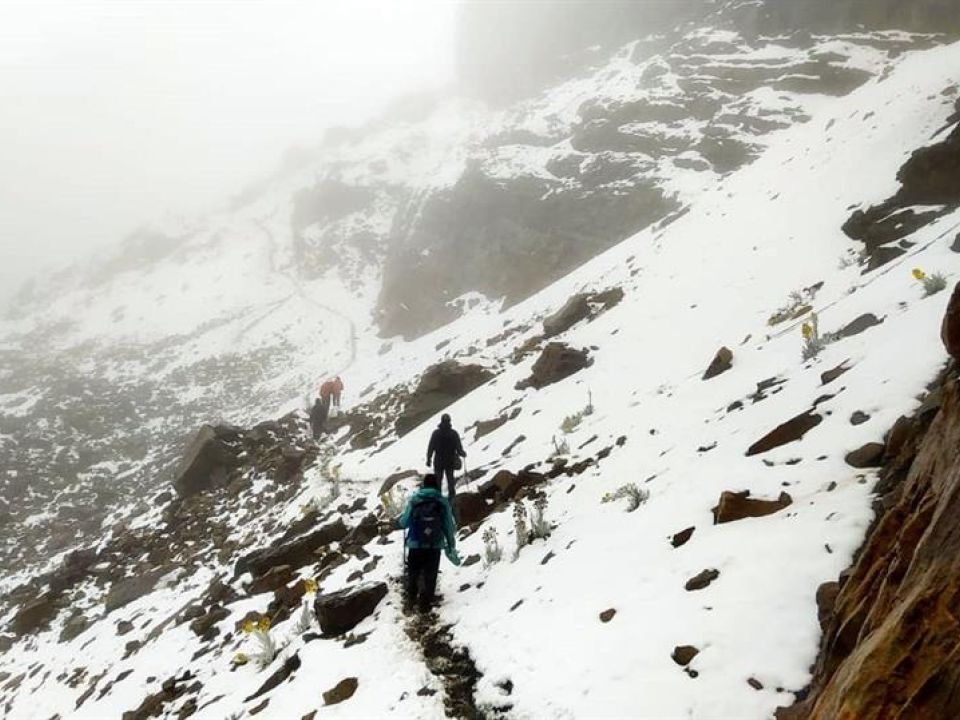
column 892, row 643
column 343, row 690
column 950, row 329
column 866, row 456
column 721, row 362
column 470, row 508
column 557, row 362
column 737, row 506
column 701, row 580
column 682, row 537
column 295, row 553
column 35, row 615
column 683, row 655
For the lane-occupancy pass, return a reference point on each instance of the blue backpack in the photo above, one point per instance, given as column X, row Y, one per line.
column 426, row 522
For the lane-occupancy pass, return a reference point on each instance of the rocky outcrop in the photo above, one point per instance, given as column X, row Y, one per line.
column 35, row 615
column 950, row 328
column 470, row 508
column 341, row 692
column 737, row 506
column 207, row 461
column 557, row 362
column 891, row 646
column 341, row 611
column 582, row 306
column 869, row 455
column 440, row 385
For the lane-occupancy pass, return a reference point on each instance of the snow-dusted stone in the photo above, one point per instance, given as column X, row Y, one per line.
column 869, row 455
column 282, row 673
column 682, row 537
column 574, row 310
column 340, row 692
column 721, row 362
column 35, row 615
column 205, row 463
column 859, row 325
column 126, row 591
column 683, row 655
column 341, row 611
column 828, row 376
column 607, row 615
column 737, row 506
column 470, row 508
column 274, row 578
column 557, row 362
column 295, row 553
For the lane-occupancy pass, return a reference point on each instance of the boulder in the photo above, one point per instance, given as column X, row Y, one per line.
column 275, row 577
column 950, row 327
column 721, row 362
column 35, row 615
column 363, row 533
column 556, row 362
column 126, row 591
column 470, row 508
column 343, row 690
column 341, row 611
column 829, row 376
column 607, row 615
column 205, row 626
column 392, row 480
column 683, row 655
column 206, row 462
column 440, row 385
column 866, row 456
column 792, row 430
column 574, row 310
column 294, row 553
column 73, row 627
column 280, row 675
column 701, row 580
column 737, row 506
column 682, row 537
column 860, row 325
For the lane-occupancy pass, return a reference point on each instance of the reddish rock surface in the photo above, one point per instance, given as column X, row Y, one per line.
column 737, row 506
column 950, row 329
column 891, row 647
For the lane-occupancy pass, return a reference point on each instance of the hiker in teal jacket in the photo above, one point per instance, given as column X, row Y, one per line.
column 430, row 527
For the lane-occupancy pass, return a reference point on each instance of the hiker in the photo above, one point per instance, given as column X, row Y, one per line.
column 430, row 527
column 318, row 416
column 337, row 391
column 444, row 453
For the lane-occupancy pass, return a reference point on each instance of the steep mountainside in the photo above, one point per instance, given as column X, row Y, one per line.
column 666, row 302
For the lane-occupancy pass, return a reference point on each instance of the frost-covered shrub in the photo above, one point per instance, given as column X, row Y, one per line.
column 266, row 648
column 636, row 496
column 520, row 528
column 572, row 422
column 813, row 344
column 539, row 528
column 932, row 284
column 797, row 305
column 560, row 448
column 492, row 552
column 393, row 501
column 306, row 617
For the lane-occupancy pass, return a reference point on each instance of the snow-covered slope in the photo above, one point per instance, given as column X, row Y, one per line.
column 714, row 276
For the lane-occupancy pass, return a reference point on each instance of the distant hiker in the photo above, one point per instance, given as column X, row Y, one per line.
column 337, row 390
column 444, row 453
column 318, row 416
column 430, row 528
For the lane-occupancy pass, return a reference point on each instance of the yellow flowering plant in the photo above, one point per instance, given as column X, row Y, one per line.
column 932, row 284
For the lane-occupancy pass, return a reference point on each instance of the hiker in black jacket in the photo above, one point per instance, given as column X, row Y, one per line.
column 318, row 416
column 444, row 453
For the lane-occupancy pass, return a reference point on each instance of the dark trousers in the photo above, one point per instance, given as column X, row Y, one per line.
column 440, row 470
column 423, row 564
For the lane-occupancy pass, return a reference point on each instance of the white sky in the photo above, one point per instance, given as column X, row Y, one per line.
column 114, row 112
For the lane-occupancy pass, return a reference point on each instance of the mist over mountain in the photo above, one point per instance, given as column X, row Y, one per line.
column 660, row 262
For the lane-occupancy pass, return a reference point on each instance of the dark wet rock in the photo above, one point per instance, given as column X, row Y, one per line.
column 341, row 692
column 858, row 326
column 829, row 376
column 363, row 533
column 682, row 537
column 721, row 362
column 607, row 615
column 124, row 627
column 737, row 506
column 899, row 436
column 440, row 385
column 683, row 655
column 556, row 362
column 826, row 602
column 485, row 427
column 153, row 705
column 859, row 417
column 701, row 580
column 280, row 675
column 74, row 627
column 126, row 591
column 206, row 462
column 792, row 430
column 294, row 553
column 866, row 456
column 341, row 611
column 470, row 508
column 950, row 327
